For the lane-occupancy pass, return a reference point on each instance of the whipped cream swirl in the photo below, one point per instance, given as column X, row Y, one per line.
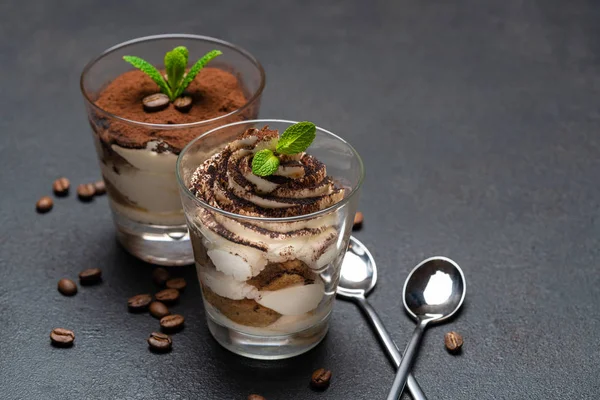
column 299, row 186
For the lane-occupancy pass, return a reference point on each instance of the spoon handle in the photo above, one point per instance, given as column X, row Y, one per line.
column 410, row 354
column 390, row 346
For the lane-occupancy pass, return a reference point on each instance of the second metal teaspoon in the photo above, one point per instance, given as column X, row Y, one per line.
column 358, row 277
column 434, row 291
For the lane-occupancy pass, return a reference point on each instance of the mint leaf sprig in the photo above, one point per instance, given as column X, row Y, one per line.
column 295, row 139
column 176, row 62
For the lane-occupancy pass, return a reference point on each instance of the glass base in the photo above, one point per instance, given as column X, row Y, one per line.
column 275, row 347
column 155, row 244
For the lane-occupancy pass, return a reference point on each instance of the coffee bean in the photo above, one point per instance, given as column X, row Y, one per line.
column 61, row 187
column 86, row 191
column 100, row 188
column 62, row 337
column 160, row 276
column 67, row 287
column 358, row 220
column 139, row 302
column 256, row 397
column 155, row 102
column 44, row 205
column 176, row 283
column 453, row 342
column 160, row 342
column 158, row 309
column 183, row 104
column 90, row 276
column 167, row 296
column 172, row 323
column 320, row 378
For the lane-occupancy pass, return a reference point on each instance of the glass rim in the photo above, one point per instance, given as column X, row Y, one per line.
column 121, row 45
column 315, row 214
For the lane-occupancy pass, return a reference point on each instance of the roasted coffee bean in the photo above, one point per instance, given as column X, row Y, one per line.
column 160, row 276
column 358, row 220
column 67, row 287
column 183, row 104
column 453, row 342
column 61, row 187
column 44, row 205
column 90, row 276
column 100, row 188
column 160, row 342
column 320, row 378
column 176, row 283
column 167, row 296
column 155, row 102
column 172, row 323
column 62, row 337
column 86, row 191
column 256, row 397
column 139, row 302
column 158, row 309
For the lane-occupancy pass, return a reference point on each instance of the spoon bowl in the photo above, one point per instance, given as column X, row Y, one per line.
column 359, row 272
column 434, row 289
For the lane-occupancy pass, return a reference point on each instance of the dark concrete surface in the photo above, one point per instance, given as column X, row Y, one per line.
column 479, row 125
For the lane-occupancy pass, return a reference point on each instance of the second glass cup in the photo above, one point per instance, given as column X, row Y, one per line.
column 269, row 284
column 137, row 157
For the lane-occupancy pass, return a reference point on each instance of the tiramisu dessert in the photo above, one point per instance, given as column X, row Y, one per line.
column 261, row 275
column 138, row 162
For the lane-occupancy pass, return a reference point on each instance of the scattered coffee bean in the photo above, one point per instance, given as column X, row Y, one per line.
column 67, row 287
column 358, row 220
column 320, row 378
column 183, row 104
column 160, row 342
column 172, row 323
column 90, row 276
column 160, row 276
column 100, row 188
column 155, row 102
column 167, row 296
column 86, row 191
column 62, row 337
column 61, row 187
column 139, row 302
column 176, row 283
column 256, row 397
column 453, row 342
column 158, row 309
column 44, row 205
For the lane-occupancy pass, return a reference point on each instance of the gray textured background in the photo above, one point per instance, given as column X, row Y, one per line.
column 478, row 122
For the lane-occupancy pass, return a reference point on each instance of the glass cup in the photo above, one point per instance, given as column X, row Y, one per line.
column 141, row 183
column 269, row 284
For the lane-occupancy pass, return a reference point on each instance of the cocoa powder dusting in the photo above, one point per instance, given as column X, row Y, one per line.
column 214, row 93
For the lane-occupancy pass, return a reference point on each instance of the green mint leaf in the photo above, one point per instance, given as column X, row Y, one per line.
column 175, row 65
column 296, row 138
column 195, row 69
column 264, row 163
column 184, row 52
column 149, row 70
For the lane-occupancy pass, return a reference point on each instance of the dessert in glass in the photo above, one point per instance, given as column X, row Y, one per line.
column 268, row 247
column 138, row 146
